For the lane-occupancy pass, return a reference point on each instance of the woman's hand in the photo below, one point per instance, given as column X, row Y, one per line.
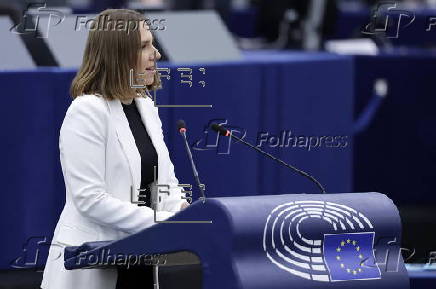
column 184, row 205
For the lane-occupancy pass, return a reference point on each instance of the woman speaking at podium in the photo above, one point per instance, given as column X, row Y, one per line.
column 112, row 149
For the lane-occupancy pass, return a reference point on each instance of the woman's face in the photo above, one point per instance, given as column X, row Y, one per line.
column 148, row 55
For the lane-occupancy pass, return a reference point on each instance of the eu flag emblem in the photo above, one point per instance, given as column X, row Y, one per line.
column 350, row 256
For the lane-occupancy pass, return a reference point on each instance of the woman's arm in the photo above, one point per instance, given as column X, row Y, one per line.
column 174, row 201
column 82, row 145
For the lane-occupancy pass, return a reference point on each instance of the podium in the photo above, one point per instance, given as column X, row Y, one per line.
column 350, row 240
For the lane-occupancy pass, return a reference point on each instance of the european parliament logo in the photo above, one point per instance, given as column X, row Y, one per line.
column 340, row 248
column 350, row 256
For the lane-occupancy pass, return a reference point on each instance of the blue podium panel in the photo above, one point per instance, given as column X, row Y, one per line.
column 396, row 153
column 422, row 279
column 276, row 241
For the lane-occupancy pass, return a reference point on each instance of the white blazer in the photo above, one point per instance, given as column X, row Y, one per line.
column 101, row 166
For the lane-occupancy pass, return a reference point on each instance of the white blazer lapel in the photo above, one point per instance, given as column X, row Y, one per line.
column 128, row 144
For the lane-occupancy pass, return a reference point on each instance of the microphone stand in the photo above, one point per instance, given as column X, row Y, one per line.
column 303, row 173
column 194, row 169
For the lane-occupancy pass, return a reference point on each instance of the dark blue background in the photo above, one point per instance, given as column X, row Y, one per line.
column 309, row 94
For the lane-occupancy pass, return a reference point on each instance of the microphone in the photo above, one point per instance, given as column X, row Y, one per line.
column 181, row 127
column 224, row 132
column 220, row 129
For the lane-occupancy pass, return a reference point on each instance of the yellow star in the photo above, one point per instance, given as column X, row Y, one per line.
column 360, row 256
column 360, row 269
column 357, row 248
column 348, row 270
column 348, row 241
column 342, row 265
column 342, row 244
column 338, row 249
column 354, row 243
column 354, row 272
column 338, row 258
